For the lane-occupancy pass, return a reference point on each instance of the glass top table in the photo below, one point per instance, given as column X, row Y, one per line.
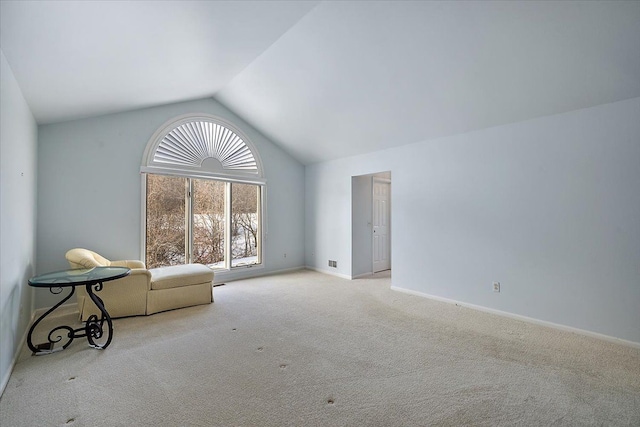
column 80, row 276
column 94, row 329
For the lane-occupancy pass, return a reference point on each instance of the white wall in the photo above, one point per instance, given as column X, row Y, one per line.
column 90, row 188
column 549, row 207
column 18, row 145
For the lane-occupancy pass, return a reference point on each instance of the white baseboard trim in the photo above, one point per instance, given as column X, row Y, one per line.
column 60, row 311
column 284, row 270
column 522, row 318
column 256, row 273
column 225, row 276
column 63, row 310
column 329, row 272
column 358, row 276
column 16, row 354
column 262, row 274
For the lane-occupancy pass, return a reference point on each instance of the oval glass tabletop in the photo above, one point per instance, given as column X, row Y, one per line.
column 79, row 276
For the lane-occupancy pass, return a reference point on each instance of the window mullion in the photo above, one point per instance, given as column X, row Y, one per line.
column 188, row 220
column 259, row 219
column 227, row 229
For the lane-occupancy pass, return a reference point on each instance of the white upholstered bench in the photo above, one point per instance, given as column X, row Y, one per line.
column 179, row 286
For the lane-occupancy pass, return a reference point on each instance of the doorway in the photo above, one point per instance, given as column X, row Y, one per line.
column 371, row 224
column 381, row 224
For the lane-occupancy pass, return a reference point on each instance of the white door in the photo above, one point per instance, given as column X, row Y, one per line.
column 381, row 225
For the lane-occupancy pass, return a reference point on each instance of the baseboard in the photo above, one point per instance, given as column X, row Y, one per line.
column 7, row 376
column 522, row 318
column 16, row 354
column 255, row 273
column 60, row 311
column 358, row 276
column 238, row 273
column 63, row 310
column 329, row 272
column 284, row 270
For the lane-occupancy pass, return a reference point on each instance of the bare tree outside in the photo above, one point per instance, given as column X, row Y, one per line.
column 244, row 223
column 208, row 221
column 167, row 223
column 165, row 220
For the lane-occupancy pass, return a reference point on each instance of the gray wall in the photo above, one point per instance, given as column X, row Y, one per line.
column 90, row 188
column 18, row 145
column 549, row 207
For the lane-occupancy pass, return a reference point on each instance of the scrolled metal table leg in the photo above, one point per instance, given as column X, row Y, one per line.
column 94, row 326
column 52, row 337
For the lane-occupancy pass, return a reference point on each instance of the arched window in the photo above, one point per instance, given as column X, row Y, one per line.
column 203, row 195
column 202, row 145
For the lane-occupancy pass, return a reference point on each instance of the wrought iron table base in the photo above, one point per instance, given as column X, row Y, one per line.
column 93, row 329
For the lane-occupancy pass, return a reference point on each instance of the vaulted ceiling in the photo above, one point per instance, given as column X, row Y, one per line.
column 327, row 79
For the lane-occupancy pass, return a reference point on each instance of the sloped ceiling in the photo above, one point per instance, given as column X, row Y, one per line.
column 330, row 79
column 76, row 59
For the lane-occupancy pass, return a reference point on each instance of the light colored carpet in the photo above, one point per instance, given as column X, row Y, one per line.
column 307, row 349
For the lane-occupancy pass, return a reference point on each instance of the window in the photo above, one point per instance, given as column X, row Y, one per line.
column 203, row 196
column 202, row 220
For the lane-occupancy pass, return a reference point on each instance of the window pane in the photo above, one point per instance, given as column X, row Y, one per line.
column 208, row 222
column 165, row 242
column 244, row 224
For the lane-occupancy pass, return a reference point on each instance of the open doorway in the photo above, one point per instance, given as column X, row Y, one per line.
column 381, row 224
column 371, row 224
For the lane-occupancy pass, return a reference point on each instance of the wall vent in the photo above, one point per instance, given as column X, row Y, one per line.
column 333, row 263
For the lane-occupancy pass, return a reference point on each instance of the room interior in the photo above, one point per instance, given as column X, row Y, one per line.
column 509, row 132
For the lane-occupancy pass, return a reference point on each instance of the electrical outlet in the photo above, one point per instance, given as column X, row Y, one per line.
column 285, row 255
column 496, row 286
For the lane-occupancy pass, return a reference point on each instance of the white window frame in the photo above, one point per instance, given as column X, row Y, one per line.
column 240, row 177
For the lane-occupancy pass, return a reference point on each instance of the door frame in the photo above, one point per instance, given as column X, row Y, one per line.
column 375, row 179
